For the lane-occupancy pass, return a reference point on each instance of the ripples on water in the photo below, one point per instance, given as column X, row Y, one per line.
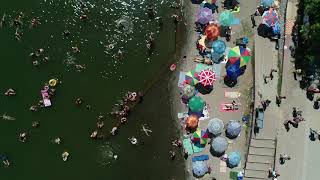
column 117, row 22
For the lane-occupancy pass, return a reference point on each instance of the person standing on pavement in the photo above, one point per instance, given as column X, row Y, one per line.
column 253, row 21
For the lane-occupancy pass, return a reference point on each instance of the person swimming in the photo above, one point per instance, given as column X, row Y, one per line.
column 57, row 140
column 10, row 92
column 23, row 137
column 133, row 140
column 5, row 160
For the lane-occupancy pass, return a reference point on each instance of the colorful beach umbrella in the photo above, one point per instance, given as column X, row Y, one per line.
column 188, row 91
column 239, row 53
column 234, row 159
column 270, row 17
column 215, row 126
column 212, row 32
column 219, row 144
column 200, row 136
column 233, row 129
column 199, row 168
column 196, row 104
column 218, row 47
column 191, row 78
column 234, row 71
column 204, row 15
column 207, row 77
column 266, row 3
column 226, row 18
column 192, row 122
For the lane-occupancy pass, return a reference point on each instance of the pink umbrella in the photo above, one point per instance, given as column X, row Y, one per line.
column 207, row 77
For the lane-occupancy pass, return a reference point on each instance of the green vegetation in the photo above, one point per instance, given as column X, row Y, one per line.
column 308, row 36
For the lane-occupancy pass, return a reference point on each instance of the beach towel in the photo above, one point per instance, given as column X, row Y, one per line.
column 232, row 94
column 197, row 148
column 200, row 67
column 182, row 77
column 187, row 145
column 217, row 70
column 222, row 108
column 200, row 158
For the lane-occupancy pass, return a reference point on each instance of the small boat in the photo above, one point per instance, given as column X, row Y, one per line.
column 6, row 117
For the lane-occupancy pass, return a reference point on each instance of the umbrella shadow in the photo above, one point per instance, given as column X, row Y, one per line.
column 230, row 136
column 216, row 154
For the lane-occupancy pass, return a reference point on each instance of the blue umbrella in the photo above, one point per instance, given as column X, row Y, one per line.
column 199, row 168
column 204, row 15
column 219, row 46
column 234, row 159
column 219, row 144
column 234, row 71
column 215, row 126
column 233, row 128
column 266, row 3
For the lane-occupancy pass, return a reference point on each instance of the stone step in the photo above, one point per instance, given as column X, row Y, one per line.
column 267, row 143
column 256, row 174
column 261, row 151
column 260, row 159
column 258, row 166
column 249, row 178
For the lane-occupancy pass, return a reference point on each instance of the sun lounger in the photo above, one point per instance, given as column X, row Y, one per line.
column 187, row 145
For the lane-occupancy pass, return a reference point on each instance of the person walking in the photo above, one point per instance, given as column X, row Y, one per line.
column 271, row 73
column 283, row 158
column 253, row 21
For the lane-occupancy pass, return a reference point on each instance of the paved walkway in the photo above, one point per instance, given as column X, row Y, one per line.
column 304, row 162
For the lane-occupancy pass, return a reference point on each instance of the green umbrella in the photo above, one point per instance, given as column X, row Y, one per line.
column 226, row 18
column 196, row 104
column 188, row 91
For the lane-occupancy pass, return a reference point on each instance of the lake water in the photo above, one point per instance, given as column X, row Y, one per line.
column 104, row 81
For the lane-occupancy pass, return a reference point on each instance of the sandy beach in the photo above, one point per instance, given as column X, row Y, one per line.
column 219, row 169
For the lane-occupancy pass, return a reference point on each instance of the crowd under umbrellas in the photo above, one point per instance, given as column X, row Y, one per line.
column 213, row 30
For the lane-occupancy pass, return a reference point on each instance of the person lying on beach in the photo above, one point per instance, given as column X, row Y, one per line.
column 176, row 143
column 10, row 92
column 202, row 60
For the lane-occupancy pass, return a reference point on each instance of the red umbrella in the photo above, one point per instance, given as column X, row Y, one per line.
column 212, row 31
column 207, row 77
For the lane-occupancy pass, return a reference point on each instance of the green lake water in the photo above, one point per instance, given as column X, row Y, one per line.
column 105, row 79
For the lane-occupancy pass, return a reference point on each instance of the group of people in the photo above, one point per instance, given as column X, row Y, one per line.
column 297, row 118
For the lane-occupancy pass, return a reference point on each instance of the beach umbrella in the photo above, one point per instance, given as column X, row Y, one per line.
column 196, row 104
column 192, row 122
column 204, row 15
column 212, row 31
column 234, row 159
column 226, row 18
column 207, row 77
column 200, row 136
column 188, row 91
column 239, row 53
column 266, row 3
column 191, row 78
column 199, row 168
column 219, row 144
column 233, row 129
column 270, row 17
column 218, row 46
column 233, row 71
column 215, row 126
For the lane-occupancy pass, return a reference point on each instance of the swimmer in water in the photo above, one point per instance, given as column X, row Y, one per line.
column 10, row 92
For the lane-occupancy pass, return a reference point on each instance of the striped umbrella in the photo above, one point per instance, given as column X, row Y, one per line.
column 200, row 136
column 191, row 78
column 207, row 77
column 239, row 53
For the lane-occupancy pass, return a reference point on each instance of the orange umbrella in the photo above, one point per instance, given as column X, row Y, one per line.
column 192, row 122
column 212, row 31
